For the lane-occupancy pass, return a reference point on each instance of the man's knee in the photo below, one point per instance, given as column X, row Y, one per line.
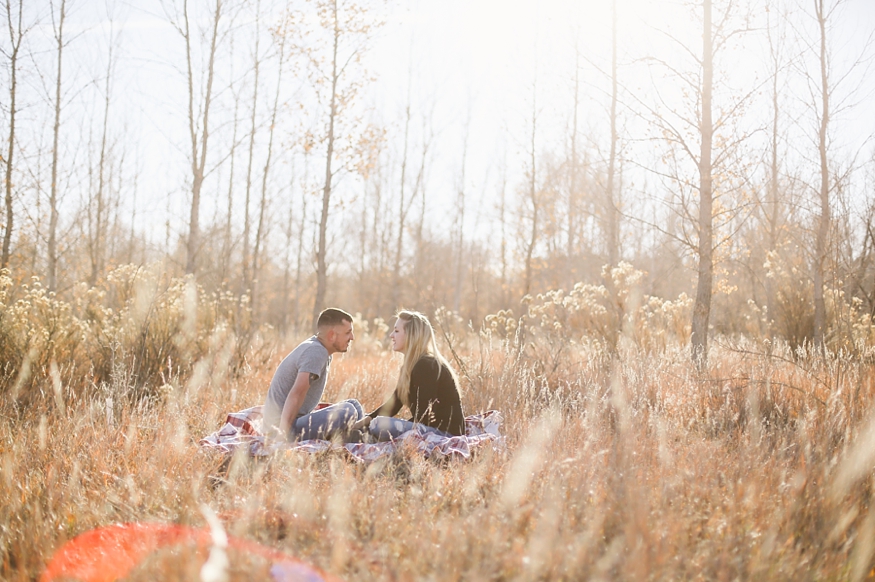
column 357, row 406
column 346, row 412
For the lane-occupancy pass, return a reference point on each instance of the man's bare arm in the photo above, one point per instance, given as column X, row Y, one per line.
column 293, row 402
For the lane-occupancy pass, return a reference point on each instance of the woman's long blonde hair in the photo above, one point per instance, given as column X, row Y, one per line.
column 420, row 342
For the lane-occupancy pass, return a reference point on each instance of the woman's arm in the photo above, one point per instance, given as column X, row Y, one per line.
column 389, row 408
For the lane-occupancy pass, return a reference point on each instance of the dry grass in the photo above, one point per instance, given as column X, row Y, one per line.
column 622, row 460
column 625, row 467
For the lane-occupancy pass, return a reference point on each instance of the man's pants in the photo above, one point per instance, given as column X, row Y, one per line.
column 327, row 422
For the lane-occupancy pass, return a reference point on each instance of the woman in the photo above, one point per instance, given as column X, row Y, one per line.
column 426, row 385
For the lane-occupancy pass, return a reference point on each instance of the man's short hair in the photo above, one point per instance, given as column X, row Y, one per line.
column 331, row 317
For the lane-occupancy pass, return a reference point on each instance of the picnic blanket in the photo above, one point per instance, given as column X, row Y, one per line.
column 243, row 429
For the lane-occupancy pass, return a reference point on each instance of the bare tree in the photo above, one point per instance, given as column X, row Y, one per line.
column 678, row 128
column 459, row 221
column 302, row 229
column 705, row 271
column 573, row 181
column 98, row 205
column 611, row 198
column 532, row 193
column 335, row 54
column 56, row 131
column 829, row 96
column 198, row 117
column 131, row 234
column 262, row 207
column 227, row 245
column 502, row 221
column 247, row 220
column 419, row 261
column 288, row 228
column 17, row 32
column 405, row 203
column 864, row 267
column 822, row 15
column 336, row 70
column 772, row 207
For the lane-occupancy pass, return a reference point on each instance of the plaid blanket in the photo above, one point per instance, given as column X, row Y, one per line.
column 243, row 429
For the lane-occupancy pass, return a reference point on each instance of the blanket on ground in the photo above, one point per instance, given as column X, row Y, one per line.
column 243, row 429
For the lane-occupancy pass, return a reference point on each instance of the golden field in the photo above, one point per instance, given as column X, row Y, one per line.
column 622, row 461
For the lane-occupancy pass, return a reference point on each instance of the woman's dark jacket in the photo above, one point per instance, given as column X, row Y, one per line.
column 434, row 398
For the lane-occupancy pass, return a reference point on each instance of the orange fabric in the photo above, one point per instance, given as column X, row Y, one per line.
column 109, row 553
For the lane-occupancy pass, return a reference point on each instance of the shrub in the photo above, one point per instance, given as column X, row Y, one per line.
column 36, row 330
column 130, row 334
column 593, row 318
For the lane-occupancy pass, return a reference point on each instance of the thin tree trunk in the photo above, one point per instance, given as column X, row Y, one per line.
column 259, row 233
column 247, row 222
column 226, row 243
column 226, row 252
column 823, row 223
column 52, row 281
column 383, row 237
column 419, row 263
column 16, row 34
column 134, row 192
column 533, row 197
column 111, row 244
column 460, row 210
column 38, row 199
column 570, row 252
column 300, row 258
column 613, row 205
column 772, row 216
column 363, row 237
column 198, row 150
column 321, row 263
column 402, row 209
column 502, row 218
column 287, row 264
column 379, row 233
column 299, row 264
column 702, row 307
column 98, row 235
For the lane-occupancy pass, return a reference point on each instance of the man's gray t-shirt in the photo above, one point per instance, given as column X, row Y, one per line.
column 310, row 356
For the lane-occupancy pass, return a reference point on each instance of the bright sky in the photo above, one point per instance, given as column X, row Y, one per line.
column 473, row 61
column 479, row 57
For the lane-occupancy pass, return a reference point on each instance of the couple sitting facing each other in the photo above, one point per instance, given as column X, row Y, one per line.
column 426, row 385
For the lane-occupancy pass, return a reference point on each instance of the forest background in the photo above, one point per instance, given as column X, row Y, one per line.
column 643, row 230
column 460, row 156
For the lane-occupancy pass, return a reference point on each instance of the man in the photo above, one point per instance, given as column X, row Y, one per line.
column 299, row 382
